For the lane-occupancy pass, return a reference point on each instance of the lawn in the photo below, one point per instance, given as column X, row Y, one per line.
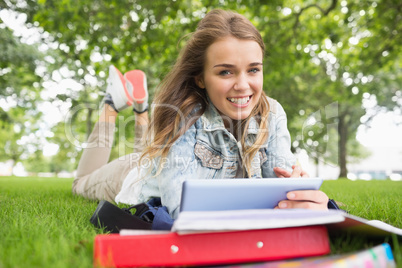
column 44, row 225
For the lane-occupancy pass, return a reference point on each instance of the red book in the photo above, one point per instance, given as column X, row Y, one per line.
column 213, row 248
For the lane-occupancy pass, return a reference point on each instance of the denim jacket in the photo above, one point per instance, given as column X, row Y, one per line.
column 208, row 151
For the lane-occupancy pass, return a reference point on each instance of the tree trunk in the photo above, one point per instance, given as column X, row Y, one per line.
column 343, row 137
column 89, row 122
column 317, row 166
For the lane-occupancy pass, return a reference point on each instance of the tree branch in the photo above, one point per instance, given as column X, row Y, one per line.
column 325, row 12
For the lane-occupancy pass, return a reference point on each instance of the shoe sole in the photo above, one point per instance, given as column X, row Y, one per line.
column 118, row 84
column 138, row 80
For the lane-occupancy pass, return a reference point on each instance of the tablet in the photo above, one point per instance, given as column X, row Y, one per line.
column 235, row 194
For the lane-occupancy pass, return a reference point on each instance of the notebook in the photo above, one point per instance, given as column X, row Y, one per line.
column 236, row 194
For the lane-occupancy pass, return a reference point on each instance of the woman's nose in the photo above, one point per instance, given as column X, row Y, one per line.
column 242, row 82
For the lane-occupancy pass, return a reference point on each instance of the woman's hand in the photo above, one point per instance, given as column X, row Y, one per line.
column 308, row 199
column 296, row 173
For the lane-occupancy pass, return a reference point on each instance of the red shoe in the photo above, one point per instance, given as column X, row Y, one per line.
column 136, row 82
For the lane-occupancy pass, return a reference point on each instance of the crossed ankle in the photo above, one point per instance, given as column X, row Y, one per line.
column 109, row 101
column 140, row 112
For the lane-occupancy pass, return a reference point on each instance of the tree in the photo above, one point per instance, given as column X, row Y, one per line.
column 19, row 136
column 100, row 33
column 333, row 52
column 318, row 52
column 19, row 91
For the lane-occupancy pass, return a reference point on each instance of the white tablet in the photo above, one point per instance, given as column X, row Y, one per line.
column 235, row 194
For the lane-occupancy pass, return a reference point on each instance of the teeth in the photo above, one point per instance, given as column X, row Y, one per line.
column 240, row 101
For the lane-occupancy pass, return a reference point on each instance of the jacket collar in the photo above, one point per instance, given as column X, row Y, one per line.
column 211, row 120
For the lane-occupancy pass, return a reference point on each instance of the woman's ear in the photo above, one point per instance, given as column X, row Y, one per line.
column 199, row 82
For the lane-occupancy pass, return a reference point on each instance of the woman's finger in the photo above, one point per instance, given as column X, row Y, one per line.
column 288, row 204
column 304, row 174
column 315, row 196
column 281, row 173
column 296, row 172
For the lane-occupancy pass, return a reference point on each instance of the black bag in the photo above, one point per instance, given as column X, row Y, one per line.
column 147, row 216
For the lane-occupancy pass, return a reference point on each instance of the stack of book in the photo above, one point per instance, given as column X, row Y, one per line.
column 266, row 238
column 378, row 257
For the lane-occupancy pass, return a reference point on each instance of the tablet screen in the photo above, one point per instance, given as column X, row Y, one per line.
column 235, row 194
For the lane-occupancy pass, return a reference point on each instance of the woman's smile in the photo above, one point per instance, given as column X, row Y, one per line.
column 240, row 101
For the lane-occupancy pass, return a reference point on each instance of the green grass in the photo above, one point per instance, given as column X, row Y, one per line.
column 371, row 200
column 379, row 200
column 44, row 225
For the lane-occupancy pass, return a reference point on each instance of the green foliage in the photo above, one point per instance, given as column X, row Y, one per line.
column 17, row 67
column 323, row 58
column 44, row 225
column 18, row 131
column 318, row 53
column 19, row 88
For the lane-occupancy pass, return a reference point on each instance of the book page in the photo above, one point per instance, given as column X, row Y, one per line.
column 252, row 219
column 357, row 225
column 385, row 226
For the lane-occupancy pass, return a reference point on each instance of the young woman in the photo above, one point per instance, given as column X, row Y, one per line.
column 211, row 119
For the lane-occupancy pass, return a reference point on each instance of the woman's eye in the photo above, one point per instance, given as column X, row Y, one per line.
column 254, row 70
column 224, row 72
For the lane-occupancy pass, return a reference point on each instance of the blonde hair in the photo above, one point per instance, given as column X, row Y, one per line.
column 179, row 94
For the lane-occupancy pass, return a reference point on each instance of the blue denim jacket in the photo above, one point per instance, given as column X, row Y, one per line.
column 208, row 151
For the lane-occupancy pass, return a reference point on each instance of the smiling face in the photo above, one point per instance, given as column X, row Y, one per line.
column 233, row 77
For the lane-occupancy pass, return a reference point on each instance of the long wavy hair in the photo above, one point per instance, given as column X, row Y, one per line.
column 179, row 95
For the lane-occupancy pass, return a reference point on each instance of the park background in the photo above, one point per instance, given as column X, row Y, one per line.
column 334, row 65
